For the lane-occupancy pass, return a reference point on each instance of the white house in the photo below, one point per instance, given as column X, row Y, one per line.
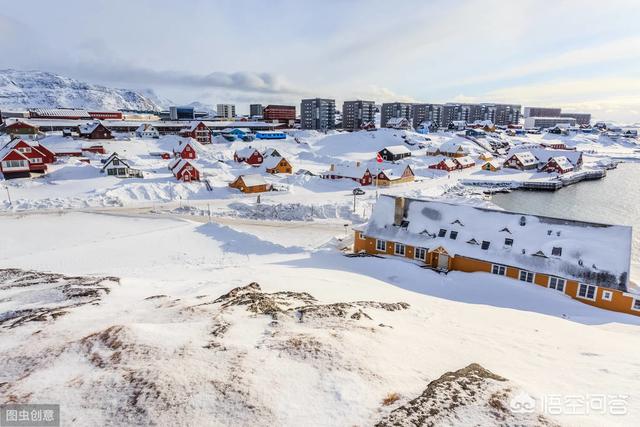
column 147, row 130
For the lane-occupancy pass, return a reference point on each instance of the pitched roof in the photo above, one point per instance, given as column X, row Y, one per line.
column 464, row 161
column 582, row 244
column 253, row 180
column 544, row 154
column 113, row 157
column 146, row 127
column 562, row 161
column 271, row 162
column 177, row 167
column 525, row 157
column 348, row 171
column 397, row 149
column 453, row 147
column 87, row 128
column 246, row 152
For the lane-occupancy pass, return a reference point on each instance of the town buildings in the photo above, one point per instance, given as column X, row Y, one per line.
column 182, row 113
column 585, row 261
column 255, row 110
column 548, row 122
column 318, row 114
column 226, row 111
column 280, row 114
column 357, row 114
column 392, row 110
column 252, row 183
column 544, row 117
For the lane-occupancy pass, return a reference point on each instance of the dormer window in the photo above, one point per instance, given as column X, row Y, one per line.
column 453, row 235
column 442, row 232
column 508, row 242
column 506, row 230
column 540, row 254
column 549, row 232
column 485, row 245
column 472, row 242
column 556, row 251
column 558, row 233
column 523, row 221
column 457, row 221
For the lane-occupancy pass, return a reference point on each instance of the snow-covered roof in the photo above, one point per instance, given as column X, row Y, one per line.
column 271, row 152
column 192, row 126
column 447, row 161
column 390, row 170
column 61, row 112
column 177, row 167
column 174, row 162
column 397, row 149
column 465, row 161
column 544, row 154
column 253, row 180
column 146, row 127
column 453, row 147
column 525, row 157
column 588, row 252
column 271, row 162
column 113, row 157
column 246, row 152
column 495, row 163
column 563, row 162
column 397, row 121
column 348, row 171
column 87, row 128
column 229, row 130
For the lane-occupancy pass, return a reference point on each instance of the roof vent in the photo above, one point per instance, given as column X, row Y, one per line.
column 523, row 221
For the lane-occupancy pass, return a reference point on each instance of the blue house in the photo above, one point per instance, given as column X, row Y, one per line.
column 237, row 132
column 271, row 134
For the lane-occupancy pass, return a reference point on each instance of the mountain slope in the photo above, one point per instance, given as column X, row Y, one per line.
column 32, row 89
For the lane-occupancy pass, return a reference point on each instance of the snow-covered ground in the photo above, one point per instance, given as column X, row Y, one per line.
column 322, row 339
column 134, row 320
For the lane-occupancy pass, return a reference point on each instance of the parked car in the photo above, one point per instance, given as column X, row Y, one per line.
column 358, row 191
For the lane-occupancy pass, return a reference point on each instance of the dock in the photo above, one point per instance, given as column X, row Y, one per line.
column 550, row 185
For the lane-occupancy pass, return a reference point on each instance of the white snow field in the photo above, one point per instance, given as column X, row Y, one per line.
column 134, row 330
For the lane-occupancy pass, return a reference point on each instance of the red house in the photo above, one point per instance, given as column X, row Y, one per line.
column 21, row 128
column 248, row 155
column 95, row 130
column 360, row 174
column 464, row 162
column 445, row 165
column 186, row 150
column 559, row 165
column 184, row 170
column 17, row 151
column 198, row 131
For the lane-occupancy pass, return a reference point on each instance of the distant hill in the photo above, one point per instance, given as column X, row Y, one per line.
column 33, row 89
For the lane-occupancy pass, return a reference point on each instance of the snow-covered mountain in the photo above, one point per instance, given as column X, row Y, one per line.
column 32, row 89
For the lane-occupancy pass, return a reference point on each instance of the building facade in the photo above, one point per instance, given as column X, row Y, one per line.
column 558, row 254
column 227, row 111
column 547, row 122
column 393, row 110
column 541, row 112
column 255, row 110
column 427, row 113
column 355, row 114
column 318, row 114
column 581, row 118
column 279, row 113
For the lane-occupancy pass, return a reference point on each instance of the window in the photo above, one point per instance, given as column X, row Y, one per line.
column 361, row 236
column 442, row 232
column 399, row 249
column 499, row 269
column 636, row 304
column 526, row 276
column 421, row 253
column 14, row 163
column 453, row 235
column 381, row 245
column 508, row 242
column 556, row 251
column 116, row 162
column 485, row 245
column 607, row 295
column 557, row 283
column 587, row 291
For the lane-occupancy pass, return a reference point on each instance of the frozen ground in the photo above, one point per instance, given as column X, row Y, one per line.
column 137, row 328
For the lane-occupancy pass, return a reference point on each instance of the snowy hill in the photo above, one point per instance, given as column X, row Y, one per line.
column 30, row 89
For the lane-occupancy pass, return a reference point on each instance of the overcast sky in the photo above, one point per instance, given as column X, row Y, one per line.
column 580, row 55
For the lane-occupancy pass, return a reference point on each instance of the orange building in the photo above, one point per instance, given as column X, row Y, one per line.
column 250, row 184
column 563, row 255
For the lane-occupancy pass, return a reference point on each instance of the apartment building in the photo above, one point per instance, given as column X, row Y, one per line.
column 227, row 111
column 541, row 112
column 279, row 113
column 395, row 110
column 581, row 118
column 427, row 113
column 357, row 113
column 255, row 110
column 318, row 113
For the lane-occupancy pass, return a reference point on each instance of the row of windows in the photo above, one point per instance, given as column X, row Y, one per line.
column 584, row 290
column 14, row 163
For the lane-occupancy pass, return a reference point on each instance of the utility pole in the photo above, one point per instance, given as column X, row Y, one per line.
column 209, row 208
column 8, row 195
column 354, row 202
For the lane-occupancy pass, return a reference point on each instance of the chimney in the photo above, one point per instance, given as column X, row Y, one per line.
column 398, row 213
column 332, row 167
column 357, row 164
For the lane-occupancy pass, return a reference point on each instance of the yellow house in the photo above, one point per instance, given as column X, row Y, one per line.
column 562, row 255
column 486, row 156
column 492, row 166
column 277, row 165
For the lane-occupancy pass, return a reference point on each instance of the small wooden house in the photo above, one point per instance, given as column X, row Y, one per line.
column 394, row 153
column 115, row 166
column 198, row 131
column 395, row 174
column 449, row 149
column 250, row 184
column 184, row 170
column 95, row 130
column 358, row 173
column 559, row 165
column 445, row 165
column 464, row 162
column 523, row 160
column 492, row 166
column 486, row 156
column 147, row 130
column 186, row 149
column 399, row 123
column 277, row 165
column 248, row 155
column 21, row 128
column 36, row 155
column 14, row 164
